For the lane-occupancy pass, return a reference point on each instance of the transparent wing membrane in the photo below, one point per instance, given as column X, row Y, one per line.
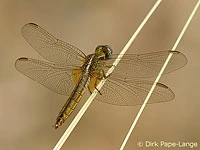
column 133, row 92
column 51, row 48
column 56, row 78
column 124, row 87
column 146, row 65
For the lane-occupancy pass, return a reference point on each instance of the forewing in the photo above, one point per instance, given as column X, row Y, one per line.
column 51, row 48
column 133, row 92
column 56, row 78
column 146, row 65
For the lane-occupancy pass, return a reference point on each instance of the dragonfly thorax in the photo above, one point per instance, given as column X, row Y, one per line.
column 103, row 52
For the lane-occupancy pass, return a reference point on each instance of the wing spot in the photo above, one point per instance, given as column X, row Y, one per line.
column 33, row 25
column 175, row 52
column 23, row 59
column 162, row 85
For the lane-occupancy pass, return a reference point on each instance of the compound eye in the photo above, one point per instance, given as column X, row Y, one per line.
column 108, row 52
column 99, row 47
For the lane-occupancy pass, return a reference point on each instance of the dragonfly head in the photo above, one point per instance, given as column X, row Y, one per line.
column 103, row 52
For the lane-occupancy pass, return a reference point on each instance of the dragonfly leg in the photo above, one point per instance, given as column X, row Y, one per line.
column 89, row 90
column 96, row 83
column 98, row 90
column 104, row 75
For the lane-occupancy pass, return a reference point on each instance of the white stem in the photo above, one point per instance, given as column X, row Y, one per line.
column 159, row 76
column 92, row 96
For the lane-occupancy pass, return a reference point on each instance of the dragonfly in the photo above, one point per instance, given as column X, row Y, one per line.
column 69, row 71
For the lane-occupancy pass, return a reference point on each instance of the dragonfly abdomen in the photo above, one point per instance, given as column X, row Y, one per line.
column 73, row 100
